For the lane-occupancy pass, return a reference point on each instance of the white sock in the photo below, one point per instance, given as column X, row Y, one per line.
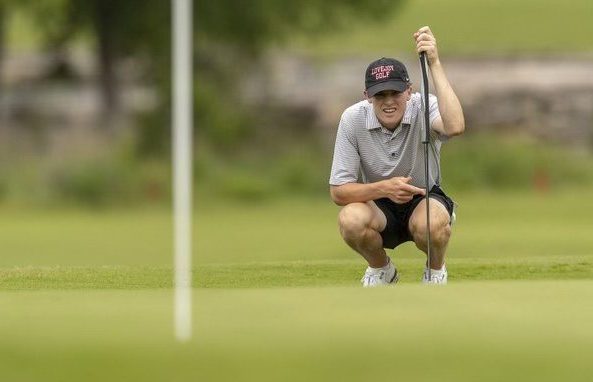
column 437, row 272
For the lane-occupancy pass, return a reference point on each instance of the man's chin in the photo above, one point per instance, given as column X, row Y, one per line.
column 390, row 123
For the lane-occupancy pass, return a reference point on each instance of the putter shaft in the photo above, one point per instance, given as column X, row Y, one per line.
column 426, row 142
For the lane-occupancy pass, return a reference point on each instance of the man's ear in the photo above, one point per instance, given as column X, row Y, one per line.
column 409, row 92
column 366, row 95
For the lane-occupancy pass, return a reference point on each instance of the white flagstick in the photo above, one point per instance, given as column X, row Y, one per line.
column 182, row 164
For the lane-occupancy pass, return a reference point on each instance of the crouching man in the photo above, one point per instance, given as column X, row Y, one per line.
column 380, row 139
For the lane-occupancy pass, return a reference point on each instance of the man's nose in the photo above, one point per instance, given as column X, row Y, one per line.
column 390, row 99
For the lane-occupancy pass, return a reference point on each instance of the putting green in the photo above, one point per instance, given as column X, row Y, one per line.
column 288, row 274
column 87, row 296
column 487, row 331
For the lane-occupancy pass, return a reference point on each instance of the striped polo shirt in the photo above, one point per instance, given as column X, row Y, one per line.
column 367, row 152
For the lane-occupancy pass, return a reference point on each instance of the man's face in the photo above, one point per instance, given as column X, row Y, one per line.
column 389, row 106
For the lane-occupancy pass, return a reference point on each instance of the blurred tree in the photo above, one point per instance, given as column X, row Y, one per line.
column 249, row 25
column 120, row 29
column 131, row 28
column 229, row 35
column 2, row 42
column 5, row 6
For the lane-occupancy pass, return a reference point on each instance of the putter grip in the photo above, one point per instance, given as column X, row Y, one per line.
column 424, row 93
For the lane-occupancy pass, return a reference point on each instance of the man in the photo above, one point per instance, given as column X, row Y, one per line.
column 380, row 138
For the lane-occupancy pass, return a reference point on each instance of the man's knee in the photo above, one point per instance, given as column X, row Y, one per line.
column 440, row 231
column 354, row 219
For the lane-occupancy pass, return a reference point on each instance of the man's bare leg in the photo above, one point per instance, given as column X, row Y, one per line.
column 440, row 231
column 360, row 226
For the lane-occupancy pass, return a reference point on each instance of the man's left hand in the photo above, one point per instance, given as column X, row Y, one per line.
column 426, row 42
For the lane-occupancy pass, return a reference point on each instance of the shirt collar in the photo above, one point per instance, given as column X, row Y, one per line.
column 373, row 123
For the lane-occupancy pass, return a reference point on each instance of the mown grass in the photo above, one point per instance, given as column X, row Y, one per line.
column 287, row 274
column 487, row 331
column 491, row 225
column 88, row 296
column 467, row 27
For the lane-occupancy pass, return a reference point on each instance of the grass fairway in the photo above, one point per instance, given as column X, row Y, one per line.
column 87, row 296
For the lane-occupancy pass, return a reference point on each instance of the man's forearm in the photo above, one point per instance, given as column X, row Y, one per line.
column 449, row 105
column 356, row 192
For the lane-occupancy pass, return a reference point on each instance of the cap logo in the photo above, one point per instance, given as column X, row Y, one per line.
column 381, row 72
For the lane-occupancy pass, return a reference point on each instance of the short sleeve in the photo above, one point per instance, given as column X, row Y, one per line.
column 434, row 113
column 346, row 161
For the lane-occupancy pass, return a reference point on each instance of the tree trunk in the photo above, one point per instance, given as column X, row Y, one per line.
column 2, row 59
column 106, row 51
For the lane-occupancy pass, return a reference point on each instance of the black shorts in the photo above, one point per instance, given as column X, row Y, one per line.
column 397, row 231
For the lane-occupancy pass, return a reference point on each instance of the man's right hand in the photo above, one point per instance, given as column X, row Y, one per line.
column 399, row 190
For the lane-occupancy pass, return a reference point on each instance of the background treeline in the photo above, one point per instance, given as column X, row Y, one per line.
column 247, row 150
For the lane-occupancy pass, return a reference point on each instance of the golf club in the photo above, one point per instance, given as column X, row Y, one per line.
column 426, row 142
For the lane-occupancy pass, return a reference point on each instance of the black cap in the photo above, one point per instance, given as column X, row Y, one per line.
column 386, row 74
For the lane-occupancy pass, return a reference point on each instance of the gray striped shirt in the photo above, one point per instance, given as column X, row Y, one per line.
column 363, row 147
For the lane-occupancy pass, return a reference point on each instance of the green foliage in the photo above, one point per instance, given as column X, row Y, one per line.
column 153, row 138
column 98, row 181
column 468, row 27
column 251, row 24
column 228, row 36
column 115, row 181
column 290, row 167
column 220, row 120
column 135, row 25
column 490, row 160
column 298, row 166
column 244, row 186
column 295, row 174
column 285, row 167
column 90, row 183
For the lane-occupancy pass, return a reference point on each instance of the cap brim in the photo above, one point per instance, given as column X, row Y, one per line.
column 398, row 86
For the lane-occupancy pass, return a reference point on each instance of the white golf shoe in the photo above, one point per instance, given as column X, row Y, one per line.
column 436, row 276
column 374, row 277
